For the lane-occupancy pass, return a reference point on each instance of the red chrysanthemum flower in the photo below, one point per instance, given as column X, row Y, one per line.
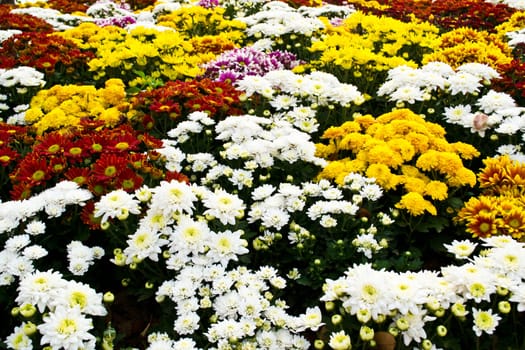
column 78, row 175
column 108, row 167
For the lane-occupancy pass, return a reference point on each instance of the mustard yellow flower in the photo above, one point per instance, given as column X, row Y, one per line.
column 64, row 106
column 437, row 190
column 403, row 152
column 415, row 204
column 466, row 45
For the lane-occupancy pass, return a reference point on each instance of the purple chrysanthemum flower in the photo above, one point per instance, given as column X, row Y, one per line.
column 240, row 62
column 208, row 3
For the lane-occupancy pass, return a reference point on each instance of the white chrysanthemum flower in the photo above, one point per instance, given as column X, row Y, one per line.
column 340, row 341
column 481, row 70
column 34, row 252
column 173, row 197
column 116, row 204
column 407, row 93
column 173, row 156
column 464, row 83
column 494, row 101
column 68, row 329
column 484, row 321
column 17, row 243
column 19, row 340
column 190, row 235
column 458, row 114
column 366, row 244
column 415, row 325
column 40, row 288
column 461, row 249
column 35, row 227
column 223, row 206
column 187, row 323
column 201, row 161
column 82, row 296
column 226, row 246
column 24, row 76
column 144, row 244
column 311, row 319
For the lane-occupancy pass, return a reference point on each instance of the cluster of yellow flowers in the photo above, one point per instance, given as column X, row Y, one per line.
column 197, row 21
column 465, row 45
column 403, row 152
column 158, row 54
column 500, row 209
column 65, row 106
column 377, row 43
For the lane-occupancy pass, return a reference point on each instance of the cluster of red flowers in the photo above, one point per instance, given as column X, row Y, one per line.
column 48, row 53
column 67, row 6
column 23, row 22
column 100, row 160
column 448, row 14
column 512, row 80
column 163, row 107
column 13, row 143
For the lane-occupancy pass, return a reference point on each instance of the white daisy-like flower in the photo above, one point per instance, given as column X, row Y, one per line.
column 484, row 321
column 481, row 70
column 187, row 323
column 407, row 93
column 458, row 114
column 35, row 227
column 223, row 206
column 40, row 288
column 80, row 295
column 144, row 244
column 34, row 252
column 464, row 83
column 173, row 197
column 190, row 235
column 18, row 339
column 17, row 243
column 340, row 341
column 461, row 249
column 68, row 329
column 227, row 245
column 494, row 101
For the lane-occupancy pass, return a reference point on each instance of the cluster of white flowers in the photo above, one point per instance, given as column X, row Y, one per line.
column 81, row 257
column 516, row 4
column 492, row 110
column 52, row 201
column 296, row 96
column 244, row 309
column 15, row 83
column 412, row 300
column 276, row 19
column 58, row 20
column 67, row 307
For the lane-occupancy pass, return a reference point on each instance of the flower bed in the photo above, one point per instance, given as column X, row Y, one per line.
column 262, row 175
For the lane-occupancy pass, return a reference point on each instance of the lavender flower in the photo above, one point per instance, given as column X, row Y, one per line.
column 235, row 64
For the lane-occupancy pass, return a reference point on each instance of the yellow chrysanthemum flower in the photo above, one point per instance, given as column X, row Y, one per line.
column 415, row 204
column 399, row 148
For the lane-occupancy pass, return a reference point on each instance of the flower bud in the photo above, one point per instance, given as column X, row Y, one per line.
column 441, row 330
column 402, row 324
column 29, row 329
column 336, row 319
column 329, row 305
column 366, row 333
column 27, row 310
column 504, row 307
column 318, row 344
column 15, row 311
column 108, row 297
column 426, row 344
